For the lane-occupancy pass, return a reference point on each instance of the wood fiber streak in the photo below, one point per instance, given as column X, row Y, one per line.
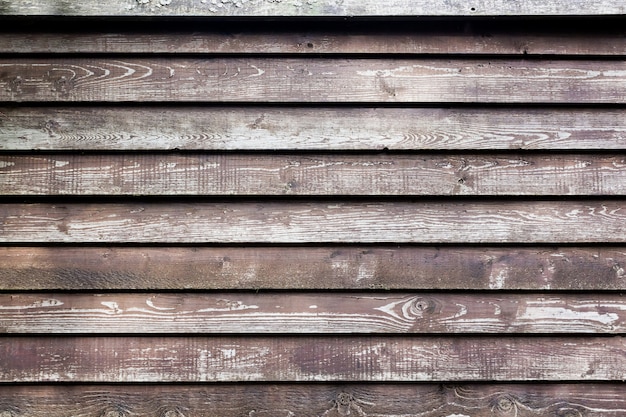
column 310, row 222
column 424, row 400
column 312, row 80
column 308, row 42
column 263, row 128
column 307, row 359
column 140, row 174
column 312, row 268
column 311, row 313
column 312, row 8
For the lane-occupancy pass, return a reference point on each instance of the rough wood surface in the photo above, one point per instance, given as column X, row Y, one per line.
column 312, row 268
column 312, row 8
column 314, row 400
column 312, row 80
column 314, row 175
column 310, row 222
column 271, row 174
column 317, row 128
column 302, row 359
column 332, row 42
column 232, row 313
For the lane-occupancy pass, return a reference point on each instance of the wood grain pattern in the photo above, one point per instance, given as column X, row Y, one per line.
column 312, row 268
column 389, row 400
column 307, row 359
column 232, row 313
column 316, row 128
column 311, row 8
column 310, row 222
column 227, row 174
column 319, row 42
column 312, row 80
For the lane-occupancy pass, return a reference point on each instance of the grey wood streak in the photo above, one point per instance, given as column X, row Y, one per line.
column 410, row 42
column 308, row 175
column 315, row 128
column 311, row 8
column 312, row 268
column 312, row 80
column 314, row 400
column 307, row 359
column 310, row 222
column 234, row 313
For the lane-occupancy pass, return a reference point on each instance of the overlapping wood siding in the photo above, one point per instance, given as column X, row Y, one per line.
column 203, row 216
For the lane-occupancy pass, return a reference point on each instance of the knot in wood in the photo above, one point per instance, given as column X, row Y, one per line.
column 112, row 413
column 344, row 399
column 15, row 85
column 62, row 85
column 569, row 412
column 422, row 306
column 173, row 413
column 504, row 404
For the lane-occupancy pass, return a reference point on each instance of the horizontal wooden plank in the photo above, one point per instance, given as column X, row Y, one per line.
column 303, row 359
column 312, row 80
column 263, row 400
column 391, row 175
column 309, row 42
column 312, row 268
column 312, row 8
column 318, row 128
column 310, row 222
column 232, row 313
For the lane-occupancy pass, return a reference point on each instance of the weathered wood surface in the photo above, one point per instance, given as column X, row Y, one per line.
column 312, row 80
column 309, row 42
column 317, row 128
column 314, row 400
column 232, row 313
column 302, row 359
column 312, row 268
column 312, row 8
column 271, row 174
column 309, row 222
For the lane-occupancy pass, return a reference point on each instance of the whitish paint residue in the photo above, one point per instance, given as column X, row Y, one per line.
column 560, row 313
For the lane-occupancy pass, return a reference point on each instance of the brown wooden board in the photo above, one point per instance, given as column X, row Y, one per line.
column 312, row 268
column 314, row 400
column 311, row 222
column 343, row 80
column 271, row 174
column 311, row 313
column 308, row 359
column 311, row 8
column 311, row 128
column 418, row 41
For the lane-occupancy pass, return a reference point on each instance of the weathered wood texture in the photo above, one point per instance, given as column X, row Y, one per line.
column 312, row 268
column 310, row 222
column 396, row 42
column 314, row 400
column 317, row 128
column 311, row 313
column 312, row 80
column 312, row 8
column 391, row 175
column 303, row 359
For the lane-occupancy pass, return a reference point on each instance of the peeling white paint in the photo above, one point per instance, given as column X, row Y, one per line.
column 6, row 164
column 560, row 313
column 60, row 164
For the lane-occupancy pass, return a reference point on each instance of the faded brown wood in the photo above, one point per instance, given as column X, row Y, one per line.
column 310, row 222
column 311, row 8
column 331, row 42
column 389, row 400
column 231, row 313
column 228, row 174
column 312, row 80
column 303, row 359
column 312, row 268
column 318, row 128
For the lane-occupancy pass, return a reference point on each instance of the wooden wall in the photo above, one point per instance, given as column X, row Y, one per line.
column 326, row 217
